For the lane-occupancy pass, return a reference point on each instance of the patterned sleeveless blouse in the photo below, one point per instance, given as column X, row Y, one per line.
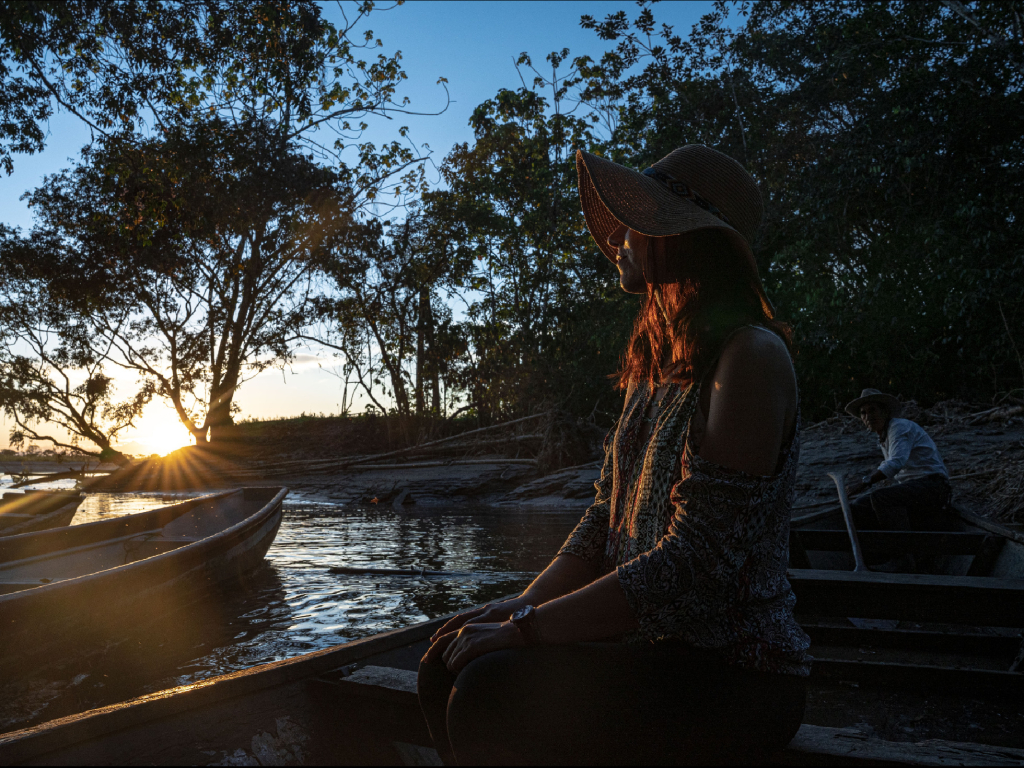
column 701, row 550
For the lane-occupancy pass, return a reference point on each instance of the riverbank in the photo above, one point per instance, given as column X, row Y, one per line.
column 344, row 462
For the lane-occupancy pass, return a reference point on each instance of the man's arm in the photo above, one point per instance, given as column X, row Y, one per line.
column 899, row 443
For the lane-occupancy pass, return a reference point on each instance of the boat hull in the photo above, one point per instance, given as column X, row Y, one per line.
column 96, row 608
column 37, row 511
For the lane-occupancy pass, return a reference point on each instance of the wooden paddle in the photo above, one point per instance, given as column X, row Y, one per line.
column 858, row 553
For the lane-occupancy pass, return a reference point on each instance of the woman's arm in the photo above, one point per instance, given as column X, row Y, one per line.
column 576, row 564
column 565, row 574
column 595, row 612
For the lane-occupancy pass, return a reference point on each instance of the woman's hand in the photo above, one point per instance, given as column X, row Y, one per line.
column 474, row 640
column 488, row 614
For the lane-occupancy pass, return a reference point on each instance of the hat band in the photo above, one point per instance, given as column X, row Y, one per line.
column 681, row 189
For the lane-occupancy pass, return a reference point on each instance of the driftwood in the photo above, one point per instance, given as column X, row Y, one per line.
column 999, row 413
column 345, row 570
column 46, row 478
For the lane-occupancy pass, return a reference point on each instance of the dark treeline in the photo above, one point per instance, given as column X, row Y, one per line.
column 210, row 230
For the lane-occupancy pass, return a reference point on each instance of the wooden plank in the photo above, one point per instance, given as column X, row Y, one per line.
column 923, row 677
column 991, row 527
column 910, row 597
column 987, row 555
column 973, row 644
column 797, row 554
column 817, row 745
column 813, row 517
column 892, row 542
column 21, row 746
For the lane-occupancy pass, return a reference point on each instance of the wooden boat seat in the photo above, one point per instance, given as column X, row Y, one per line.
column 384, row 694
column 916, row 597
column 892, row 543
column 380, row 682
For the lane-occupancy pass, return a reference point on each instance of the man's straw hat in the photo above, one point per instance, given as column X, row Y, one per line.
column 691, row 188
column 890, row 403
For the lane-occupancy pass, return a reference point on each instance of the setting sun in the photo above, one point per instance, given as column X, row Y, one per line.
column 158, row 431
column 169, row 440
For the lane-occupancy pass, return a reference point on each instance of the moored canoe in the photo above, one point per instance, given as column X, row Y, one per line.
column 32, row 511
column 86, row 583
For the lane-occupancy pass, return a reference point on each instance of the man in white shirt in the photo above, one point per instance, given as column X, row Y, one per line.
column 920, row 495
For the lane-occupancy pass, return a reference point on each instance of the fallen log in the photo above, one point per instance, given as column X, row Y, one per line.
column 70, row 474
column 453, row 463
column 998, row 413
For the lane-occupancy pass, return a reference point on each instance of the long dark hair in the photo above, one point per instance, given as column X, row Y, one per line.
column 699, row 290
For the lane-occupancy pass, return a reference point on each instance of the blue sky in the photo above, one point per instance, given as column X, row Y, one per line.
column 472, row 44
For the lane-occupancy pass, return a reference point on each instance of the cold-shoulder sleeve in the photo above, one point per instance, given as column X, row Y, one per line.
column 703, row 581
column 588, row 539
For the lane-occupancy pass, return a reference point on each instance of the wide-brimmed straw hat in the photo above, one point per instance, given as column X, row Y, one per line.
column 890, row 403
column 691, row 188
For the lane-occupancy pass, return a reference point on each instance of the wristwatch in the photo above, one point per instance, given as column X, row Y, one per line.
column 525, row 620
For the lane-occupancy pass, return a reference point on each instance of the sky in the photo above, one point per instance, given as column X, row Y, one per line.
column 471, row 44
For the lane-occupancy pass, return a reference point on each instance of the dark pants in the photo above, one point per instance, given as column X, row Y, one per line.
column 608, row 703
column 915, row 505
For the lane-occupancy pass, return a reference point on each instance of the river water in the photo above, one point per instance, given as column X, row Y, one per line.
column 293, row 604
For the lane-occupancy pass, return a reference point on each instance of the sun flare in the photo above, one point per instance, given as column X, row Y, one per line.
column 159, row 431
column 167, row 440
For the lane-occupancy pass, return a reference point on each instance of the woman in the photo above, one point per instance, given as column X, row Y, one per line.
column 663, row 631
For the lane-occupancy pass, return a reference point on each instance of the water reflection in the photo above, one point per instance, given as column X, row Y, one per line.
column 293, row 604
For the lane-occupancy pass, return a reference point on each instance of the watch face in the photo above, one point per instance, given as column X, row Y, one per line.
column 521, row 612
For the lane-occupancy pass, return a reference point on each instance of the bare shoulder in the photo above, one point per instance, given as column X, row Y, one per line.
column 752, row 404
column 755, row 354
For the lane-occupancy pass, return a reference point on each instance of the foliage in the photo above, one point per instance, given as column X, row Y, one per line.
column 51, row 373
column 385, row 311
column 544, row 321
column 126, row 66
column 210, row 290
column 883, row 139
column 192, row 249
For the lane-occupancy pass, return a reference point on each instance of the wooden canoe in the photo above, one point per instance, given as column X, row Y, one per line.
column 31, row 511
column 356, row 703
column 85, row 583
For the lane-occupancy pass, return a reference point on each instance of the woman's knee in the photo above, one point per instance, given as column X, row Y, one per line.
column 492, row 676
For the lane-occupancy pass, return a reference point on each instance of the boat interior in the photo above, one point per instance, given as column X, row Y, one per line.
column 54, row 556
column 948, row 616
column 964, row 550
